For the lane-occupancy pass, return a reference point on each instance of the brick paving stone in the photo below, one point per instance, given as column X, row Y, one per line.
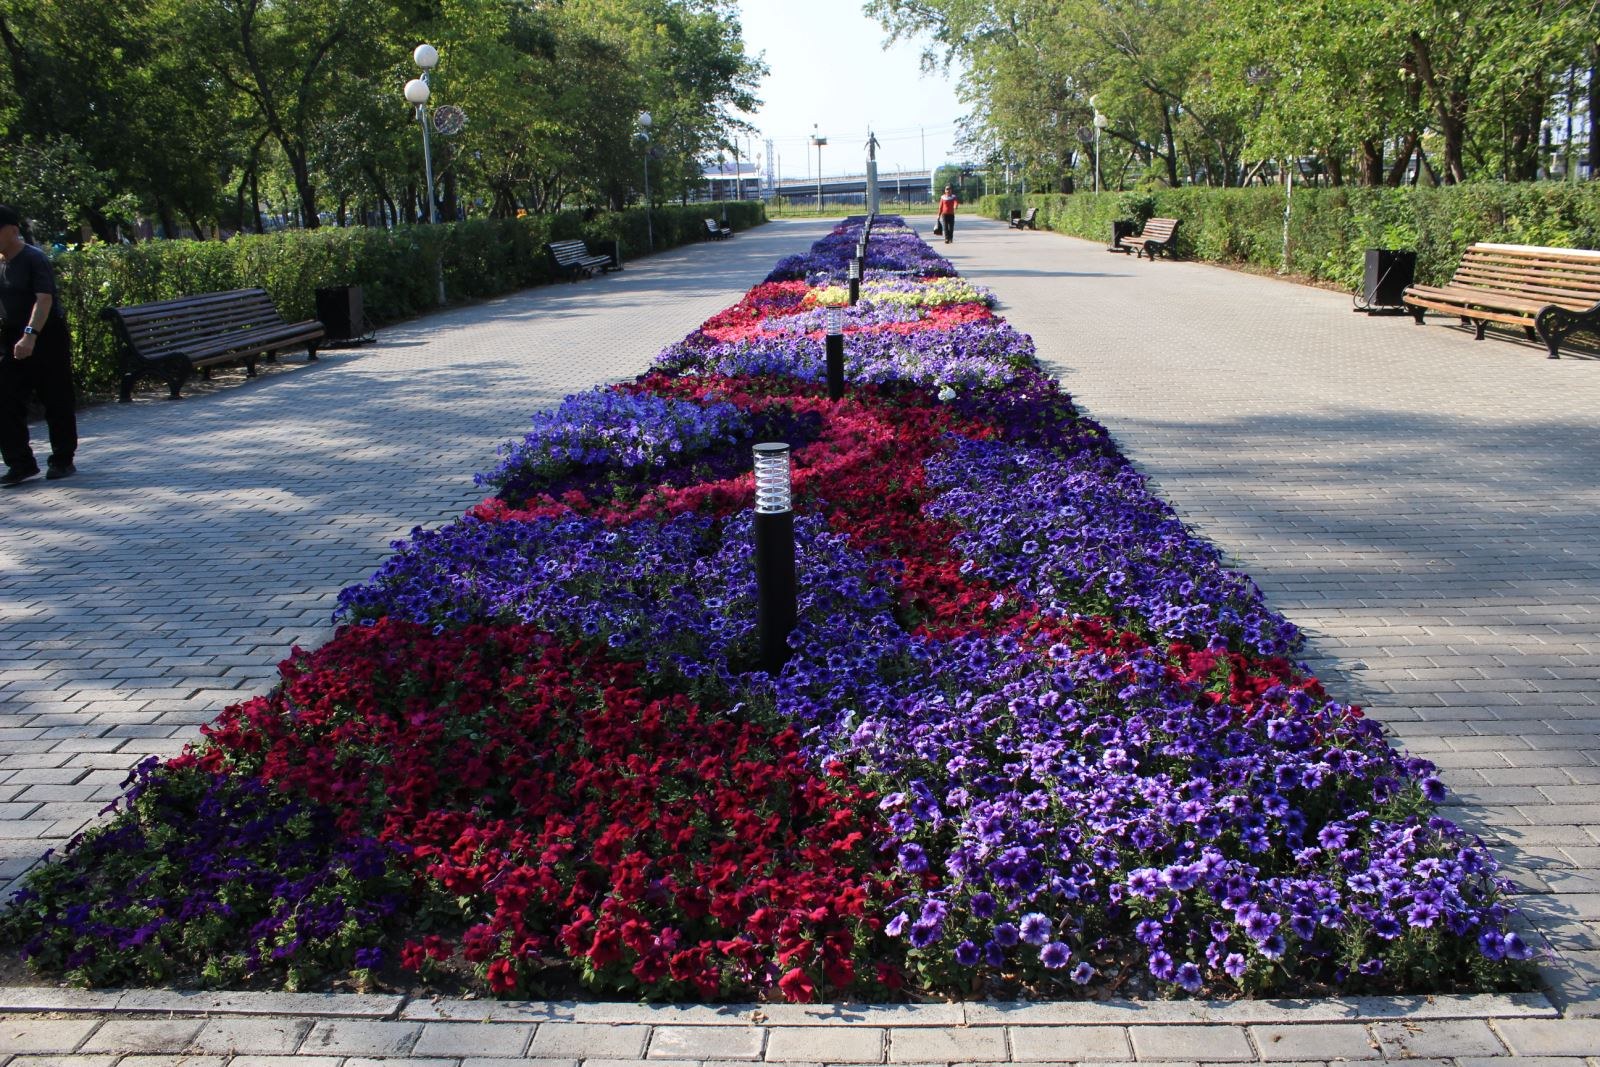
column 473, row 1039
column 171, row 1060
column 986, row 1044
column 1336, row 1041
column 362, row 1037
column 1456, row 1037
column 707, row 1042
column 24, row 1034
column 826, row 1044
column 1208, row 1043
column 1074, row 1043
column 284, row 1061
column 232, row 1036
column 1553, row 1037
column 1522, row 1061
column 79, row 1060
column 589, row 1040
column 143, row 1035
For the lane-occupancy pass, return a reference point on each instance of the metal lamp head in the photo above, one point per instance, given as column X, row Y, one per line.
column 426, row 56
column 773, row 493
column 417, row 91
column 646, row 120
column 835, row 320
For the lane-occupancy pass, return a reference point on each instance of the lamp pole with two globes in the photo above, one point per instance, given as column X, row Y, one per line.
column 417, row 92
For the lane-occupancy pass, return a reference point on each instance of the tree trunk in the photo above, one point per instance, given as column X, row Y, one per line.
column 1402, row 159
column 1371, row 162
column 1594, row 110
column 1335, row 169
column 1172, row 145
column 1450, row 111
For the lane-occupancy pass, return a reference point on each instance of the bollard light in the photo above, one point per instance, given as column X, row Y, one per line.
column 774, row 537
column 854, row 274
column 834, row 346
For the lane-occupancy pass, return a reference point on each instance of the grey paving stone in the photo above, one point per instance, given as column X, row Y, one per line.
column 23, row 1034
column 474, row 1039
column 1207, row 1043
column 347, row 1037
column 1458, row 1037
column 707, row 1042
column 284, row 1061
column 172, row 1060
column 939, row 1044
column 1075, row 1043
column 1316, row 1041
column 584, row 1041
column 252, row 1036
column 1556, row 1037
column 143, row 1035
column 819, row 1044
column 79, row 1060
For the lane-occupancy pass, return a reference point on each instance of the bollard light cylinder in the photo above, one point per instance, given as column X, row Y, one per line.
column 774, row 552
column 834, row 348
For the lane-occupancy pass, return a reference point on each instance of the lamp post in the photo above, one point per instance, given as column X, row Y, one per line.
column 645, row 122
column 1100, row 123
column 834, row 352
column 417, row 92
column 819, row 141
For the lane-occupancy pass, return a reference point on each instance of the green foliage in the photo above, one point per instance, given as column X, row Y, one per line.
column 481, row 257
column 1330, row 229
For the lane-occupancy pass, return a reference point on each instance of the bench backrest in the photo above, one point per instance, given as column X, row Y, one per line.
column 167, row 324
column 711, row 224
column 1158, row 229
column 1031, row 213
column 567, row 252
column 1563, row 276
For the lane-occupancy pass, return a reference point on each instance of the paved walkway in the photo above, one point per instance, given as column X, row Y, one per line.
column 1425, row 505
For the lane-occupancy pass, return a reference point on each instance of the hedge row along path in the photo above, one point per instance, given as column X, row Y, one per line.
column 1424, row 505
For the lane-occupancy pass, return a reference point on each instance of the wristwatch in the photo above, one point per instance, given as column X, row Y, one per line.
column 28, row 330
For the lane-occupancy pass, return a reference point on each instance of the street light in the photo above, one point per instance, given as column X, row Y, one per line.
column 1100, row 123
column 417, row 92
column 819, row 141
column 645, row 122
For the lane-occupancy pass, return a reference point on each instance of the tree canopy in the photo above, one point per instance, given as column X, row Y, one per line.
column 213, row 115
column 1218, row 91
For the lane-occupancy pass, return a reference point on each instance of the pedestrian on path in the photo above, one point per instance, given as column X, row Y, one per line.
column 35, row 357
column 947, row 214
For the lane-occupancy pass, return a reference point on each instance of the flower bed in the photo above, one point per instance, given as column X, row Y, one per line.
column 1035, row 738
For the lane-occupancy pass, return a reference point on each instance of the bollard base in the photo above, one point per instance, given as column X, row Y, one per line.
column 775, row 587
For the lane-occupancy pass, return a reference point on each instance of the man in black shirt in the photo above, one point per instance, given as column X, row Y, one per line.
column 34, row 357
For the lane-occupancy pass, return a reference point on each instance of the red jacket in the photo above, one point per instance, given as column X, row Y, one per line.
column 948, row 204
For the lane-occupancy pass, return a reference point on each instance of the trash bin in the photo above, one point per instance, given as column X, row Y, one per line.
column 341, row 310
column 1389, row 272
column 1121, row 228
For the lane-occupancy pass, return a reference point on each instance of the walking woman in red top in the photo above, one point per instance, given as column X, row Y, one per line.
column 947, row 214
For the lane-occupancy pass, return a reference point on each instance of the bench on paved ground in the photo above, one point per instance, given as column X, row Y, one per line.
column 1549, row 292
column 1020, row 221
column 573, row 260
column 1159, row 235
column 718, row 230
column 170, row 339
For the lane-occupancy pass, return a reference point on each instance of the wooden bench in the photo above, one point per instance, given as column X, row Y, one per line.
column 1024, row 221
column 573, row 260
column 1549, row 292
column 718, row 230
column 170, row 339
column 1159, row 235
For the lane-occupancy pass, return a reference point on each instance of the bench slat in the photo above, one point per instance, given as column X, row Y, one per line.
column 1512, row 279
column 1552, row 292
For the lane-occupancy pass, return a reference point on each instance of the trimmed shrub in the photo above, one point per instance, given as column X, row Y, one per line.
column 395, row 268
column 1331, row 228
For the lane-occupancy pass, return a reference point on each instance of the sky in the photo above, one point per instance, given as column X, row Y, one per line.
column 829, row 68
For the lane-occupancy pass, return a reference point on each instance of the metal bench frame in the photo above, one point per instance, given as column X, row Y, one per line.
column 1550, row 292
column 171, row 339
column 572, row 260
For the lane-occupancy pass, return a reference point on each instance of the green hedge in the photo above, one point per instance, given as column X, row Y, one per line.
column 395, row 268
column 1331, row 228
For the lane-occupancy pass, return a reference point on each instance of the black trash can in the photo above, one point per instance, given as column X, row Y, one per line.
column 1121, row 228
column 342, row 312
column 1389, row 273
